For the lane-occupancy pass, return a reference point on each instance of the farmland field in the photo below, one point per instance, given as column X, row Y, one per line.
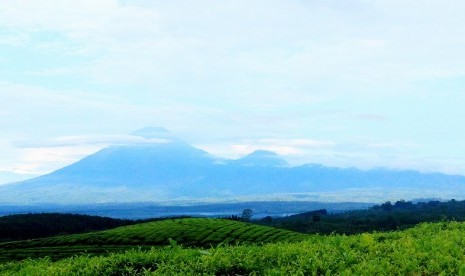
column 199, row 232
column 429, row 248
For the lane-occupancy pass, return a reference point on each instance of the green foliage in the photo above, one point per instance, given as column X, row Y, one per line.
column 32, row 226
column 247, row 214
column 384, row 217
column 198, row 232
column 428, row 249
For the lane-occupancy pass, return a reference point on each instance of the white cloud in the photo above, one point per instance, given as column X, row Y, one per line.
column 302, row 142
column 97, row 140
column 20, row 163
column 36, row 157
column 334, row 70
column 393, row 146
column 288, row 148
column 44, row 160
column 13, row 39
column 42, row 156
column 282, row 150
column 250, row 49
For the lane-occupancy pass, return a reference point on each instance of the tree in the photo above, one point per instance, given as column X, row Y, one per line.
column 246, row 214
column 387, row 206
column 402, row 204
column 267, row 219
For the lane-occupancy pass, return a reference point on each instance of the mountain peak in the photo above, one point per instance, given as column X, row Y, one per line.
column 262, row 158
column 263, row 153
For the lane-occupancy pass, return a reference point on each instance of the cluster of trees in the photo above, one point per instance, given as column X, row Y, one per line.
column 246, row 216
column 40, row 225
column 384, row 217
column 30, row 226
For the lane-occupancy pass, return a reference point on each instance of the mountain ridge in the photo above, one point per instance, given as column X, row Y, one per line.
column 261, row 158
column 174, row 170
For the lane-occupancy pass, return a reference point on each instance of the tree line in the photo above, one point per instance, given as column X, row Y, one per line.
column 387, row 216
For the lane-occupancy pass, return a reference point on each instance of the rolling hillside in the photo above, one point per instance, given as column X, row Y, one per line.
column 188, row 232
column 427, row 249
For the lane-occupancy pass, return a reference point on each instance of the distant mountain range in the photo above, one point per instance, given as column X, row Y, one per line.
column 167, row 169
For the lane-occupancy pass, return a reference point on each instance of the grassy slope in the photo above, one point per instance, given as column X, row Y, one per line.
column 426, row 249
column 188, row 232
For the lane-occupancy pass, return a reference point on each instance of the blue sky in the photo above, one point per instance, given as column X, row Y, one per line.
column 343, row 83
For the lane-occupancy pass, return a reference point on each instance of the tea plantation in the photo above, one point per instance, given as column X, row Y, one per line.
column 427, row 249
column 199, row 232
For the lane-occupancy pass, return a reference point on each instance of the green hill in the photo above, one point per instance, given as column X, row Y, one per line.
column 200, row 232
column 427, row 249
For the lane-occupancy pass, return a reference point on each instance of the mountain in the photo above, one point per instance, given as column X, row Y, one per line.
column 167, row 168
column 261, row 158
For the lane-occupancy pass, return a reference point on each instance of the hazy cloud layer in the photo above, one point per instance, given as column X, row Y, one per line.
column 223, row 74
column 104, row 140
